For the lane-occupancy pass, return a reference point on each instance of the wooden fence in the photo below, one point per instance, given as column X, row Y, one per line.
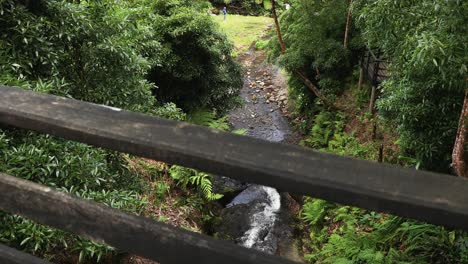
column 375, row 68
column 431, row 197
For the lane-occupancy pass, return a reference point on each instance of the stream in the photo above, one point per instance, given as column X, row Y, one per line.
column 253, row 215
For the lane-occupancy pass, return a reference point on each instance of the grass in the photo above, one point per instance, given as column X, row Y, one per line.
column 243, row 30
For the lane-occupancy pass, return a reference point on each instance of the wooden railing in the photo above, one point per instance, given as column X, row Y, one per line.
column 434, row 198
column 375, row 68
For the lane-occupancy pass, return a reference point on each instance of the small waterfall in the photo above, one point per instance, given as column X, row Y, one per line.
column 262, row 221
column 265, row 203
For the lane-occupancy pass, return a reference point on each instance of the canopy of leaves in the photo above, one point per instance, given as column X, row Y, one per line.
column 313, row 34
column 426, row 42
column 195, row 69
column 105, row 52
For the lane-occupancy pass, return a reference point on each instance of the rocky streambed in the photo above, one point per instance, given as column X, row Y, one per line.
column 258, row 216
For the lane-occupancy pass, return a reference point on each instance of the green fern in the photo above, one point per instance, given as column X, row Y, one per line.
column 202, row 181
column 208, row 118
column 314, row 211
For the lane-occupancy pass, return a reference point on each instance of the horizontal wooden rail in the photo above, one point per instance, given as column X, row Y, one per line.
column 12, row 256
column 434, row 198
column 134, row 234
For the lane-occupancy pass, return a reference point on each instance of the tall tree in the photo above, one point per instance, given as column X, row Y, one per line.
column 459, row 155
column 348, row 25
column 300, row 73
column 426, row 43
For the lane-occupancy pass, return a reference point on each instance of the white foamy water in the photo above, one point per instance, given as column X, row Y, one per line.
column 263, row 220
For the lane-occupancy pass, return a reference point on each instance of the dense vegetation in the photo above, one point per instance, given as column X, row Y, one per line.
column 247, row 7
column 168, row 58
column 145, row 56
column 425, row 42
column 426, row 45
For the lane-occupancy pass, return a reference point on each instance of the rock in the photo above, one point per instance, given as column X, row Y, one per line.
column 225, row 185
column 253, row 194
column 235, row 221
column 252, row 219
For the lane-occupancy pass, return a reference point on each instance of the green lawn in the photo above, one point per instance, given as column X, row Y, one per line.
column 243, row 30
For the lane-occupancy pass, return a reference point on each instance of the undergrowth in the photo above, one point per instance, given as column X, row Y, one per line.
column 348, row 235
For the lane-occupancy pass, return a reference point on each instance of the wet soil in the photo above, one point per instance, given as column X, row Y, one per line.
column 265, row 99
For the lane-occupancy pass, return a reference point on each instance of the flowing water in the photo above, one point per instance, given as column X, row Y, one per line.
column 252, row 219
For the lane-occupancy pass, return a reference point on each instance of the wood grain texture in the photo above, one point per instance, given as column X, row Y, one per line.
column 133, row 234
column 434, row 198
column 12, row 256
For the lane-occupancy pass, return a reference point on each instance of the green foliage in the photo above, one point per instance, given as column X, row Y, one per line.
column 427, row 46
column 243, row 30
column 209, row 119
column 34, row 238
column 195, row 68
column 261, row 44
column 325, row 126
column 103, row 52
column 248, row 7
column 60, row 163
column 343, row 234
column 68, row 44
column 185, row 176
column 313, row 34
column 327, row 134
column 314, row 211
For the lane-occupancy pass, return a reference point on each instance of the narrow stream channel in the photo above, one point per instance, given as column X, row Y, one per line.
column 255, row 217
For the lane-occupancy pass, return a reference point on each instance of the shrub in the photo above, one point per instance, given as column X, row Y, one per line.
column 426, row 44
column 313, row 34
column 195, row 69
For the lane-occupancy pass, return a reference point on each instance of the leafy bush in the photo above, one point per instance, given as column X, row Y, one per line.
column 69, row 43
column 426, row 44
column 248, row 7
column 313, row 33
column 102, row 52
column 343, row 234
column 195, row 67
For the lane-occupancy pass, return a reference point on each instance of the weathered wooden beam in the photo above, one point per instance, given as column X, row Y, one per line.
column 12, row 256
column 134, row 234
column 434, row 198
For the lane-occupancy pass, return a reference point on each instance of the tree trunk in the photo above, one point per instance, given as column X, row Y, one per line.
column 278, row 28
column 300, row 73
column 459, row 157
column 315, row 90
column 348, row 25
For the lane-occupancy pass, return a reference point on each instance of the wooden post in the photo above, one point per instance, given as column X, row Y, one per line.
column 361, row 77
column 380, row 160
column 372, row 99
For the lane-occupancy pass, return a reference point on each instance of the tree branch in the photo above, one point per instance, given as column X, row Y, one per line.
column 313, row 88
